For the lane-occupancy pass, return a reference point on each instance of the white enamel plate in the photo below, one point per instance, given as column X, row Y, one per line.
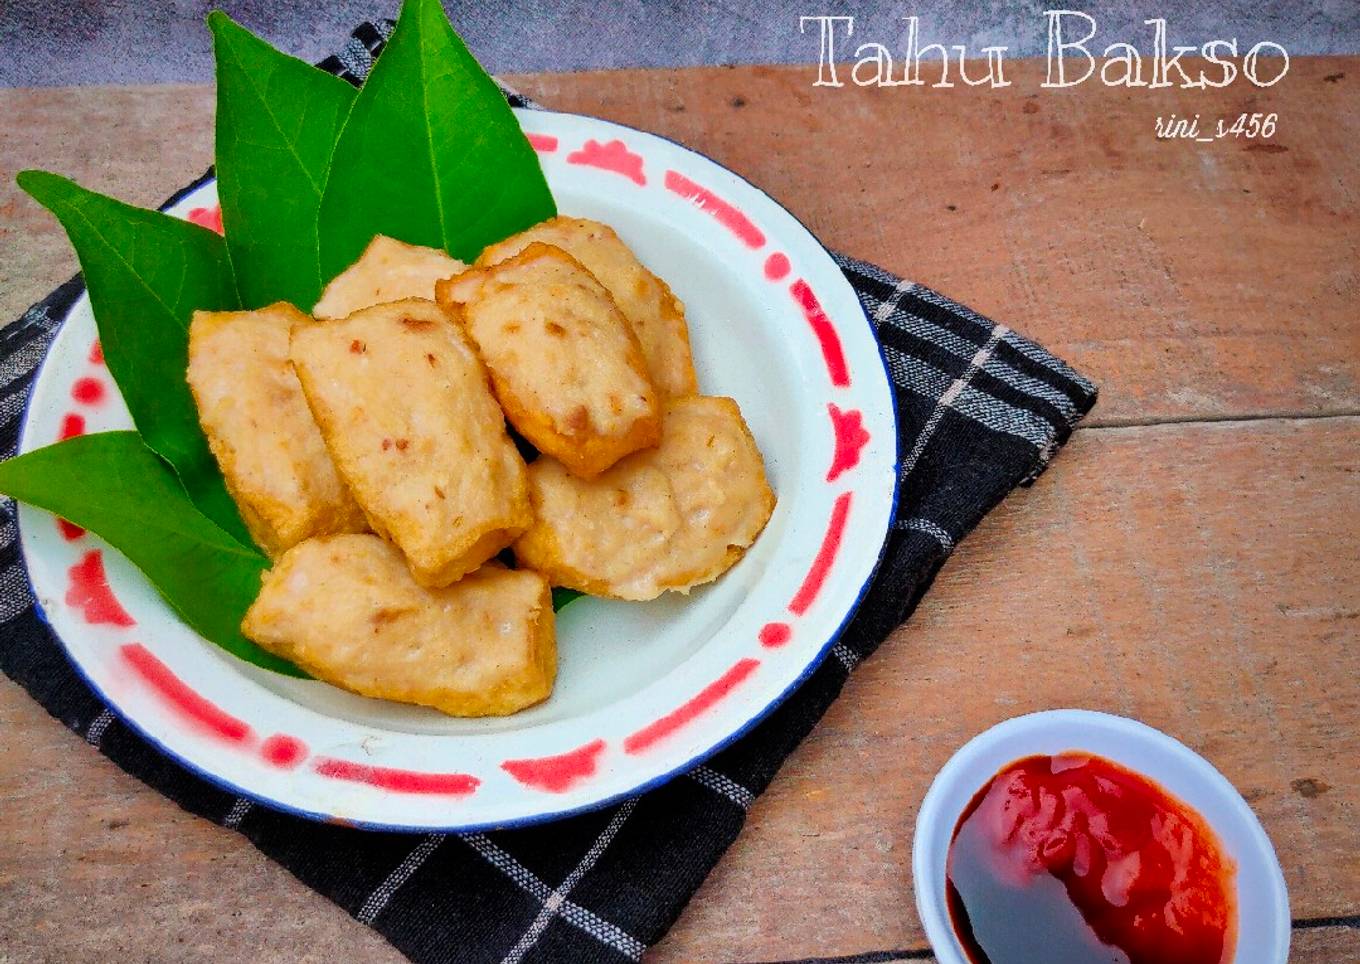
column 644, row 690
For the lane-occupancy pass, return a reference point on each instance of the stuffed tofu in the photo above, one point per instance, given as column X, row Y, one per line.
column 407, row 414
column 668, row 518
column 564, row 363
column 388, row 270
column 260, row 429
column 346, row 610
column 653, row 311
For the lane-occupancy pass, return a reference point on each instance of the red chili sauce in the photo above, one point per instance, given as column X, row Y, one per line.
column 1073, row 858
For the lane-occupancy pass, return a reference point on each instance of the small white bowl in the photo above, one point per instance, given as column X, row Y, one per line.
column 1263, row 923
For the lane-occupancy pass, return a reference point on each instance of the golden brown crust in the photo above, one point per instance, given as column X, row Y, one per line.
column 585, row 455
column 388, row 270
column 260, row 430
column 345, row 610
column 537, row 549
column 664, row 519
column 680, row 379
column 413, row 429
column 656, row 315
column 565, row 365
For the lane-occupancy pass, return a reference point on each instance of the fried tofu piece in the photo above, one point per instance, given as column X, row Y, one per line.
column 407, row 414
column 346, row 610
column 260, row 429
column 657, row 316
column 565, row 366
column 388, row 270
column 668, row 518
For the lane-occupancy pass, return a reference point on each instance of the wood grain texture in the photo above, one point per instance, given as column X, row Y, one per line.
column 1212, row 568
column 94, row 866
column 138, row 144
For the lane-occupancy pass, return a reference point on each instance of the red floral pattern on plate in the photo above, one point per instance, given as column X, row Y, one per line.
column 611, row 156
column 90, row 593
column 210, row 218
column 557, row 774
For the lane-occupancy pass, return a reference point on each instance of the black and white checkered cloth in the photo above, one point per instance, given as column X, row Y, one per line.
column 981, row 410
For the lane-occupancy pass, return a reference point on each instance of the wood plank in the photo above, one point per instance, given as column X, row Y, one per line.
column 1210, row 569
column 95, row 866
column 137, row 143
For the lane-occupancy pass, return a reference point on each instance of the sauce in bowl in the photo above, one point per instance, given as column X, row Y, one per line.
column 1072, row 858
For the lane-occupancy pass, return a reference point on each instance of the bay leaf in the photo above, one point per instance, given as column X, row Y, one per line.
column 146, row 272
column 561, row 596
column 277, row 123
column 430, row 154
column 113, row 485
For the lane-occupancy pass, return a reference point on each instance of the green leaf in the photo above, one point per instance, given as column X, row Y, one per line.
column 430, row 154
column 277, row 122
column 113, row 485
column 562, row 596
column 146, row 273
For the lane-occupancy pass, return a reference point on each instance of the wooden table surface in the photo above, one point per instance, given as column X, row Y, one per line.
column 1192, row 559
